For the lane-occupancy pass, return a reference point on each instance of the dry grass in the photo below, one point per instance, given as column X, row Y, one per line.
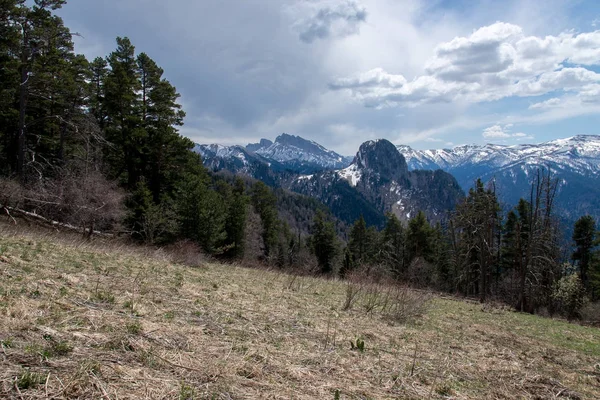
column 93, row 321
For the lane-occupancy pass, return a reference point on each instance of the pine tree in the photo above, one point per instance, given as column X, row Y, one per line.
column 530, row 246
column 584, row 236
column 357, row 244
column 594, row 285
column 99, row 72
column 41, row 87
column 514, row 247
column 202, row 213
column 265, row 202
column 124, row 126
column 394, row 245
column 236, row 218
column 165, row 152
column 442, row 258
column 418, row 238
column 347, row 263
column 324, row 242
column 477, row 218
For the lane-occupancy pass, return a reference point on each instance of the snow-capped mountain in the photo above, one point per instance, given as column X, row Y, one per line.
column 214, row 151
column 288, row 152
column 296, row 151
column 379, row 175
column 238, row 160
column 579, row 153
column 574, row 161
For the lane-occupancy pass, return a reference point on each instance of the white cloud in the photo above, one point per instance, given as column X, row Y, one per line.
column 494, row 62
column 373, row 78
column 503, row 132
column 487, row 50
column 495, row 132
column 550, row 103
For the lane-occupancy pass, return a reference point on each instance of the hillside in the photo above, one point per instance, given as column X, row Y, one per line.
column 105, row 321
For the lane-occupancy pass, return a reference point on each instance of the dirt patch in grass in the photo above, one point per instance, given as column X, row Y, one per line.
column 93, row 320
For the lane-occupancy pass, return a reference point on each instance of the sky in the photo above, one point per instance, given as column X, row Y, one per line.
column 429, row 74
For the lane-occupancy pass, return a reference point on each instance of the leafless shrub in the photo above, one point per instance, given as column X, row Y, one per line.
column 84, row 200
column 352, row 291
column 377, row 294
column 421, row 273
column 11, row 196
column 187, row 253
column 405, row 304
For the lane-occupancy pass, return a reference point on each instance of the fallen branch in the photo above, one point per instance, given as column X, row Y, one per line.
column 54, row 224
column 9, row 215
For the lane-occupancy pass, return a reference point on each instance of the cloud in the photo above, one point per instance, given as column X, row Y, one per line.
column 467, row 59
column 495, row 132
column 495, row 62
column 433, row 140
column 550, row 103
column 503, row 132
column 373, row 78
column 245, row 71
column 341, row 20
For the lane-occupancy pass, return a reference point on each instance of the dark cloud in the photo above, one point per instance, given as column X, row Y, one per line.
column 342, row 20
column 235, row 61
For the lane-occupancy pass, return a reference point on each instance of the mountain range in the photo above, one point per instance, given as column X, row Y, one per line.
column 287, row 153
column 386, row 178
column 375, row 181
column 296, row 152
column 379, row 174
column 574, row 161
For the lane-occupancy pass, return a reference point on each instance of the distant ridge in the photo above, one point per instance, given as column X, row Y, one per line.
column 574, row 161
column 295, row 149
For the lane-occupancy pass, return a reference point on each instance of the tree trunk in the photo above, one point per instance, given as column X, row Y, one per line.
column 21, row 139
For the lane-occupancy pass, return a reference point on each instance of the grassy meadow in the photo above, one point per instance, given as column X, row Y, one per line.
column 107, row 321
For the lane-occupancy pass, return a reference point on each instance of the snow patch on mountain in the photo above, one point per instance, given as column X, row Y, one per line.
column 209, row 151
column 352, row 174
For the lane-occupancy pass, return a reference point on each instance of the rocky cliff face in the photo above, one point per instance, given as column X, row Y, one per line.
column 379, row 174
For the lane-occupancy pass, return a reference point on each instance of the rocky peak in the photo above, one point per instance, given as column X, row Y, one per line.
column 292, row 140
column 296, row 151
column 254, row 147
column 382, row 157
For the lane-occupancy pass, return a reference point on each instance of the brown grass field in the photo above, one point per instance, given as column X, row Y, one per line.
column 105, row 321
